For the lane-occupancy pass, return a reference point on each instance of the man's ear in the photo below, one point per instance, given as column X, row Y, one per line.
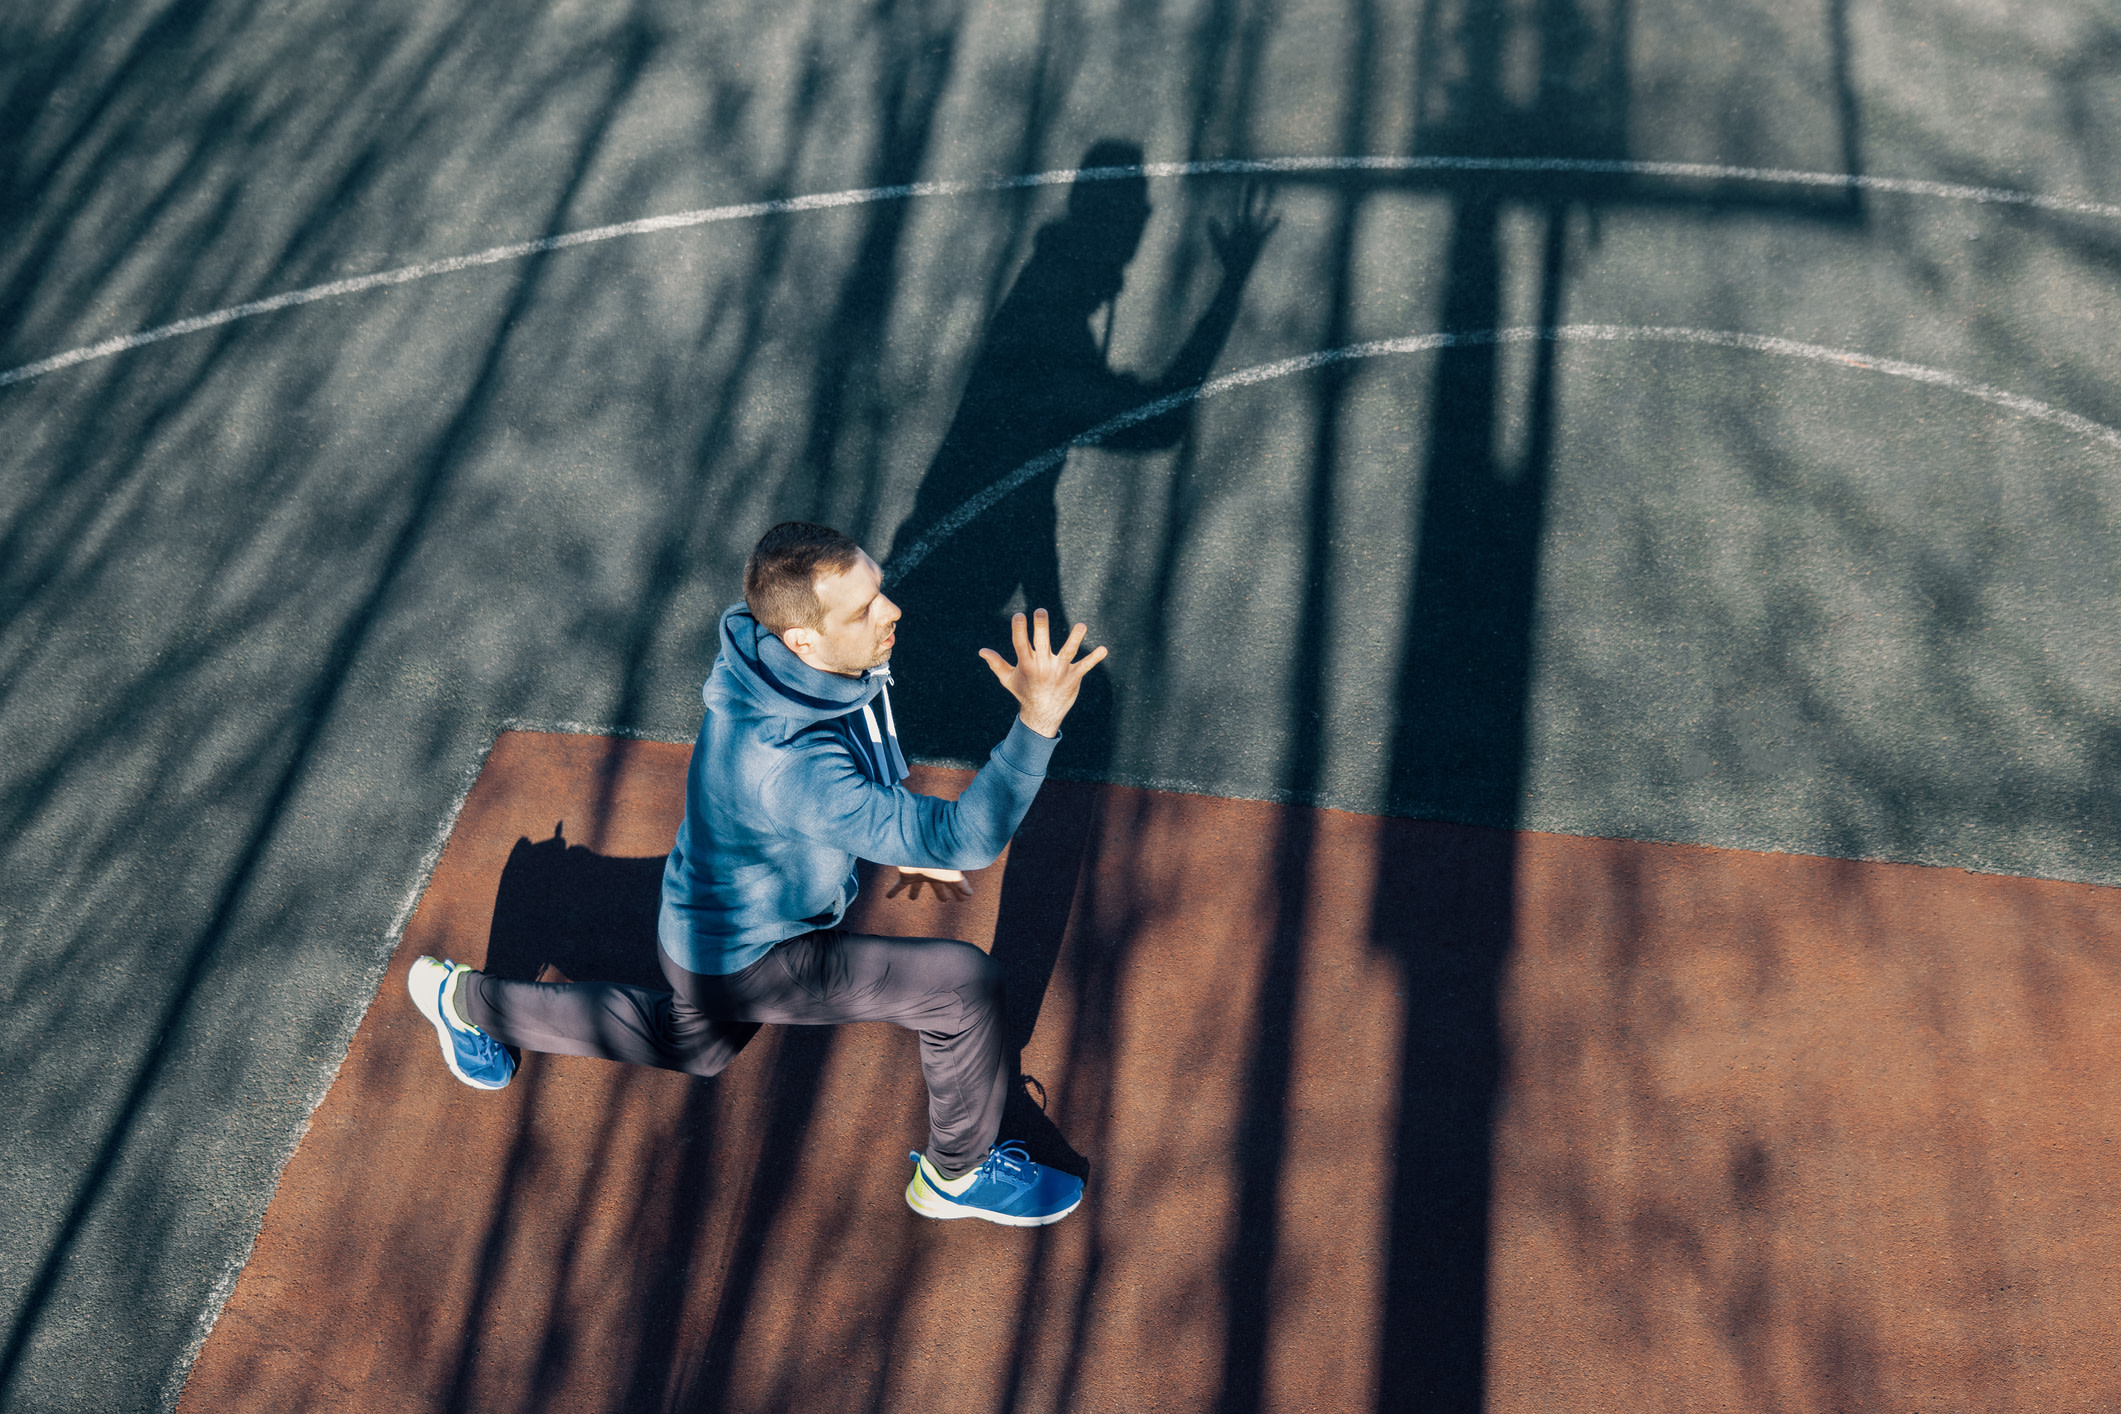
column 798, row 640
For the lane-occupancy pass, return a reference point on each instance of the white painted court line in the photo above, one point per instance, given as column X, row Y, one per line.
column 1266, row 166
column 902, row 562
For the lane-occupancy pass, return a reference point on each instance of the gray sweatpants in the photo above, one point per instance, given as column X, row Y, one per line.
column 949, row 992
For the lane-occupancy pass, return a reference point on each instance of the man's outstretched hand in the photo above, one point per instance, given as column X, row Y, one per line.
column 1043, row 682
column 950, row 885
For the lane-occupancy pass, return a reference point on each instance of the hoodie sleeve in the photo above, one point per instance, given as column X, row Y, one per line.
column 823, row 796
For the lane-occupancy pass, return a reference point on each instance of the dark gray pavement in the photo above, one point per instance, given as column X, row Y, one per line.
column 268, row 590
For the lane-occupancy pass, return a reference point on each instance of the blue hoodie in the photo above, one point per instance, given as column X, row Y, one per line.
column 794, row 778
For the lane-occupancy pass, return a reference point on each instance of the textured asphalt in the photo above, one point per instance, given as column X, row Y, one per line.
column 268, row 589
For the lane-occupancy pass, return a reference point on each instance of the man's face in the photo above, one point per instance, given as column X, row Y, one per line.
column 856, row 633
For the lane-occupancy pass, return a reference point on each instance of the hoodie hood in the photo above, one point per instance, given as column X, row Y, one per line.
column 758, row 670
column 773, row 680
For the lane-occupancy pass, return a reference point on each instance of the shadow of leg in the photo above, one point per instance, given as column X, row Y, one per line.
column 1038, row 894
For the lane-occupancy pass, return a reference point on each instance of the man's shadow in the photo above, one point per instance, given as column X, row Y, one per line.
column 1041, row 379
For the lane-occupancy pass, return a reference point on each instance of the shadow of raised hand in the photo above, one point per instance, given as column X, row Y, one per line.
column 1239, row 243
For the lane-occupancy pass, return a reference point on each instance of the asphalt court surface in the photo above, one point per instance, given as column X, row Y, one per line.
column 1797, row 535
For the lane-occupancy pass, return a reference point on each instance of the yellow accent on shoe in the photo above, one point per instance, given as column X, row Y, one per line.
column 923, row 1198
column 951, row 1186
column 926, row 1194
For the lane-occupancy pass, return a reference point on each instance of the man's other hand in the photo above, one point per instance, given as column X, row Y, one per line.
column 950, row 885
column 1043, row 682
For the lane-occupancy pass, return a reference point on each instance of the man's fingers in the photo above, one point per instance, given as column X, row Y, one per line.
column 1041, row 639
column 994, row 661
column 1075, row 641
column 1019, row 638
column 1095, row 656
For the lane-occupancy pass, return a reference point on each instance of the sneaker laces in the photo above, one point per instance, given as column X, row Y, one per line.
column 1009, row 1163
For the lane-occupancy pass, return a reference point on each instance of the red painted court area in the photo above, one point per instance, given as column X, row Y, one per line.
column 1768, row 1133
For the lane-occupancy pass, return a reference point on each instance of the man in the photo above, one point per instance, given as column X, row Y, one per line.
column 796, row 775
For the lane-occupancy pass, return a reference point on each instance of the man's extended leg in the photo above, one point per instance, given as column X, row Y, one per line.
column 604, row 1020
column 949, row 992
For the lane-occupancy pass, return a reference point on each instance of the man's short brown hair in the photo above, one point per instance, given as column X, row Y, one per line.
column 780, row 578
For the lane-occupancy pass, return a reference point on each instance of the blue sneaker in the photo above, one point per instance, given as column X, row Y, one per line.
column 474, row 1057
column 1006, row 1188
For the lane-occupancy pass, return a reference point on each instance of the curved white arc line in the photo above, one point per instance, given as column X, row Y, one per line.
column 1263, row 166
column 902, row 563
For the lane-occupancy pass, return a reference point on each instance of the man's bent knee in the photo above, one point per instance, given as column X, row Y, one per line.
column 976, row 980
